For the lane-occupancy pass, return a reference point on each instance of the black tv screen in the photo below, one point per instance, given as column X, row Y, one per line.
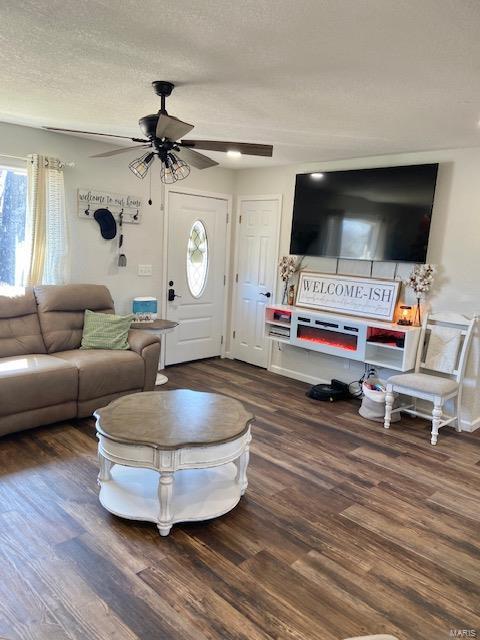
column 364, row 214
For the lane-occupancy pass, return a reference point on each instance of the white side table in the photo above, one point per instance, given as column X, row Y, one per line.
column 172, row 456
column 160, row 327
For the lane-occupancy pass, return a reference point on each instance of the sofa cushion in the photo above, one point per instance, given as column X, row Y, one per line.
column 19, row 327
column 103, row 371
column 61, row 312
column 35, row 381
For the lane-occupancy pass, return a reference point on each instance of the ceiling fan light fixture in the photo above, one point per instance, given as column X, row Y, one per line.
column 140, row 166
column 167, row 172
column 180, row 168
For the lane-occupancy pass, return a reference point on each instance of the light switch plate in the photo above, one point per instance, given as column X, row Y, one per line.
column 144, row 269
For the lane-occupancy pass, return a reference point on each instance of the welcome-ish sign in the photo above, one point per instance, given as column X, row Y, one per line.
column 352, row 295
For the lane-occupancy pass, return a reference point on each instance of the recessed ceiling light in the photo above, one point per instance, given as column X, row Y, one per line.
column 317, row 176
column 234, row 154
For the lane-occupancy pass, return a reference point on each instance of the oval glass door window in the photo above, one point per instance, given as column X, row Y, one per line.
column 197, row 259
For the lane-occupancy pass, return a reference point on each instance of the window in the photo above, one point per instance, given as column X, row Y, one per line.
column 13, row 206
column 197, row 259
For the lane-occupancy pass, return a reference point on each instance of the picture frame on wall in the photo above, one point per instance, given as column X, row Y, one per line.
column 350, row 295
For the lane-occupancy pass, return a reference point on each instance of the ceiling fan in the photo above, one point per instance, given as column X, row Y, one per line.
column 164, row 139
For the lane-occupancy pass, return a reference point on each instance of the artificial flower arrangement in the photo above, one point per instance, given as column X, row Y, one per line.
column 288, row 267
column 420, row 281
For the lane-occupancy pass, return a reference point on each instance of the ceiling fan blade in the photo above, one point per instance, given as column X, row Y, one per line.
column 197, row 160
column 94, row 133
column 244, row 147
column 171, row 127
column 107, row 154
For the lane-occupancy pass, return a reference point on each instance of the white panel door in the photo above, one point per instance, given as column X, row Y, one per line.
column 257, row 264
column 197, row 229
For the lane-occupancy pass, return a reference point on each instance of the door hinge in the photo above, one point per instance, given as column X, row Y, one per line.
column 221, row 341
column 234, row 334
column 236, row 277
column 224, row 280
column 240, row 219
column 228, row 218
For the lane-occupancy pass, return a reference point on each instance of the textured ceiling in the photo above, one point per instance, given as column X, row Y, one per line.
column 319, row 79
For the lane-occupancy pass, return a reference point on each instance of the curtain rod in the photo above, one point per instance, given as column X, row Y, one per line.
column 25, row 159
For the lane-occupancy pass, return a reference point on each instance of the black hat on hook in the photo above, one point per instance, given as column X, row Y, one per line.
column 108, row 225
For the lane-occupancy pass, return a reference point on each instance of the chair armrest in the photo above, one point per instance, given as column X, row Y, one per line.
column 138, row 339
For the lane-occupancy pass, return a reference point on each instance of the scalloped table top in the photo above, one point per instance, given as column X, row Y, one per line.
column 173, row 419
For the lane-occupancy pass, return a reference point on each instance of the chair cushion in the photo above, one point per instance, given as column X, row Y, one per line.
column 102, row 371
column 61, row 311
column 423, row 382
column 35, row 381
column 19, row 327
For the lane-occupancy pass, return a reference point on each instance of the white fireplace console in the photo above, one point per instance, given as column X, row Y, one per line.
column 375, row 342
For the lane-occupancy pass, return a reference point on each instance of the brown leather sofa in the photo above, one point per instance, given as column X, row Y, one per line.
column 45, row 377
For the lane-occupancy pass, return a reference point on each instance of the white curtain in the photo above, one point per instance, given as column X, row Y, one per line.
column 46, row 227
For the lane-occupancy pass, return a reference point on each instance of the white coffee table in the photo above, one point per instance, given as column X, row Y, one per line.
column 172, row 456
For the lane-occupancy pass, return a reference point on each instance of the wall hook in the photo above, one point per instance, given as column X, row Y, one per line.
column 87, row 210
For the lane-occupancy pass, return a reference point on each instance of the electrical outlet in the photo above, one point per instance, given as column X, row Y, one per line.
column 144, row 269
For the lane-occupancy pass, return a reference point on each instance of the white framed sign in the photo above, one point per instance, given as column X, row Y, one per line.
column 351, row 295
column 88, row 200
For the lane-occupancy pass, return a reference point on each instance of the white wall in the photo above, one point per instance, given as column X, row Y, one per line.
column 93, row 259
column 454, row 247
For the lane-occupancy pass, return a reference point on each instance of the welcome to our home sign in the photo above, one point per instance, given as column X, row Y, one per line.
column 352, row 295
column 88, row 200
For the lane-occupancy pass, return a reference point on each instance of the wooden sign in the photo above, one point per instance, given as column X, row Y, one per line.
column 90, row 200
column 351, row 295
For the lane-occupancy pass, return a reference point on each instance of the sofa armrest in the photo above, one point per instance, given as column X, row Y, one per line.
column 139, row 339
column 147, row 345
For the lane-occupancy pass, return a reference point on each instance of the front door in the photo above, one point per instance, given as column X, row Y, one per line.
column 257, row 263
column 197, row 234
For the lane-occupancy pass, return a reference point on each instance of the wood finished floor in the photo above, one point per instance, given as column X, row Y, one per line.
column 345, row 530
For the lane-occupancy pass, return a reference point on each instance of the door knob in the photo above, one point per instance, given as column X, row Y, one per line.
column 172, row 295
column 267, row 295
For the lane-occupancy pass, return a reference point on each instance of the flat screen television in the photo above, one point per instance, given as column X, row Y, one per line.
column 365, row 214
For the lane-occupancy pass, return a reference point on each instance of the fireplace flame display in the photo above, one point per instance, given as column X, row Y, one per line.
column 335, row 339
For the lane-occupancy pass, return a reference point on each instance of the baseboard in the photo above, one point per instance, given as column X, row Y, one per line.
column 297, row 375
column 471, row 426
column 229, row 355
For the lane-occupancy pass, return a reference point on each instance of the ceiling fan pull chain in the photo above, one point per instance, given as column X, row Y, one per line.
column 150, row 189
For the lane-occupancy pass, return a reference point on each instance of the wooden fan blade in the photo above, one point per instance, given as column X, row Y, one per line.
column 197, row 160
column 107, row 154
column 244, row 147
column 94, row 133
column 171, row 127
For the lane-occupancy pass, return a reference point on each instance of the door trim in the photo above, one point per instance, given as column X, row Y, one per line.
column 278, row 197
column 228, row 241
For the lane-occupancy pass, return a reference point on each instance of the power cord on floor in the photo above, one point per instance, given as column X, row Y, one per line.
column 355, row 387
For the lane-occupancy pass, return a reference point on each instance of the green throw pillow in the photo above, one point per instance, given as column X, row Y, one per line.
column 105, row 331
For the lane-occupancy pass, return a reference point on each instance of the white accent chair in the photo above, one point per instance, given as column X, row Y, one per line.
column 443, row 351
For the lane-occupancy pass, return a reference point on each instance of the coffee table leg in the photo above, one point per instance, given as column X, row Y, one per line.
column 165, row 492
column 105, row 467
column 242, row 464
